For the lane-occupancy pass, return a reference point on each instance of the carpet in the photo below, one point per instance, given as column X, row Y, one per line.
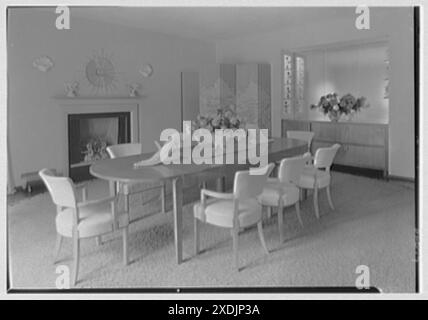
column 373, row 225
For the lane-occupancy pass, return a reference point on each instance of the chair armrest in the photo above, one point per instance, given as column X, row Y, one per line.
column 81, row 185
column 95, row 202
column 112, row 200
column 221, row 195
column 215, row 194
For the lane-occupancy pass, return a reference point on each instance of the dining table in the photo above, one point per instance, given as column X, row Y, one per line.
column 122, row 170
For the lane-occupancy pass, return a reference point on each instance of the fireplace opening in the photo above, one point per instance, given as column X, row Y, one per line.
column 89, row 134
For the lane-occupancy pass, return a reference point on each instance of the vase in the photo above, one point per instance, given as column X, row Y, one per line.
column 334, row 117
column 348, row 117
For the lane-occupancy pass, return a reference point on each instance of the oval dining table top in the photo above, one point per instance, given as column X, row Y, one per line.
column 123, row 170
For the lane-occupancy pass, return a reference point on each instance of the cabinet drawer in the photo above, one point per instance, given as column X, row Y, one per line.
column 326, row 131
column 363, row 134
column 294, row 125
column 370, row 135
column 362, row 156
column 357, row 156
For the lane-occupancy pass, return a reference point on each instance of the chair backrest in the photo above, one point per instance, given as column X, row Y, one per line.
column 324, row 156
column 248, row 185
column 61, row 189
column 301, row 135
column 124, row 150
column 290, row 169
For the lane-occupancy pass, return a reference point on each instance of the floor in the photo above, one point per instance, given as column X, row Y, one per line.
column 373, row 225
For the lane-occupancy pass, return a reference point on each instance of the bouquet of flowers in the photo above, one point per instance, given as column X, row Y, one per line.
column 226, row 118
column 335, row 107
column 96, row 149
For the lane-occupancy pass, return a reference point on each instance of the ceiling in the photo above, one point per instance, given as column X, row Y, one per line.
column 212, row 23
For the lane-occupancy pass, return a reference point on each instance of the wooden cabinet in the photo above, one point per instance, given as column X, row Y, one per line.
column 364, row 145
column 295, row 125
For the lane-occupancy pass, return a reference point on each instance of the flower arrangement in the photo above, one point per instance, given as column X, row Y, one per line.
column 226, row 118
column 96, row 149
column 335, row 106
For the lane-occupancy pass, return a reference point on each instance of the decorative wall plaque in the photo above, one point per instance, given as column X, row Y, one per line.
column 43, row 63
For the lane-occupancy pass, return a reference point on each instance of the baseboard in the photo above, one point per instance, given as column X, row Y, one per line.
column 36, row 189
column 370, row 173
column 366, row 172
column 400, row 178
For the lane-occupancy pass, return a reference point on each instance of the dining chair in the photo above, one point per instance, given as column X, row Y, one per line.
column 124, row 150
column 235, row 210
column 130, row 149
column 302, row 135
column 283, row 191
column 317, row 175
column 306, row 136
column 82, row 219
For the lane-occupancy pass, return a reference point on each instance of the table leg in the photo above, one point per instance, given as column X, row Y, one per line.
column 177, row 193
column 112, row 187
column 221, row 184
column 113, row 190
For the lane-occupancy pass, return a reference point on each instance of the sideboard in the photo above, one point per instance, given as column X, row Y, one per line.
column 364, row 145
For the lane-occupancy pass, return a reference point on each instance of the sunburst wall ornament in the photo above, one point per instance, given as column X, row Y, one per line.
column 100, row 72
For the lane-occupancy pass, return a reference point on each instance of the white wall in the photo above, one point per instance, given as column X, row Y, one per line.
column 33, row 117
column 394, row 23
column 358, row 69
column 34, row 123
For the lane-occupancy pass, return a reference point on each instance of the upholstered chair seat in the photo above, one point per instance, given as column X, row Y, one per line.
column 311, row 174
column 218, row 212
column 94, row 220
column 271, row 195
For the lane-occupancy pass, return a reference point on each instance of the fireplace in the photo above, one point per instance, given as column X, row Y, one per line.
column 89, row 134
column 92, row 124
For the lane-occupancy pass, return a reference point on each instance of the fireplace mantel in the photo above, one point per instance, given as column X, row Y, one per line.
column 96, row 100
column 86, row 105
